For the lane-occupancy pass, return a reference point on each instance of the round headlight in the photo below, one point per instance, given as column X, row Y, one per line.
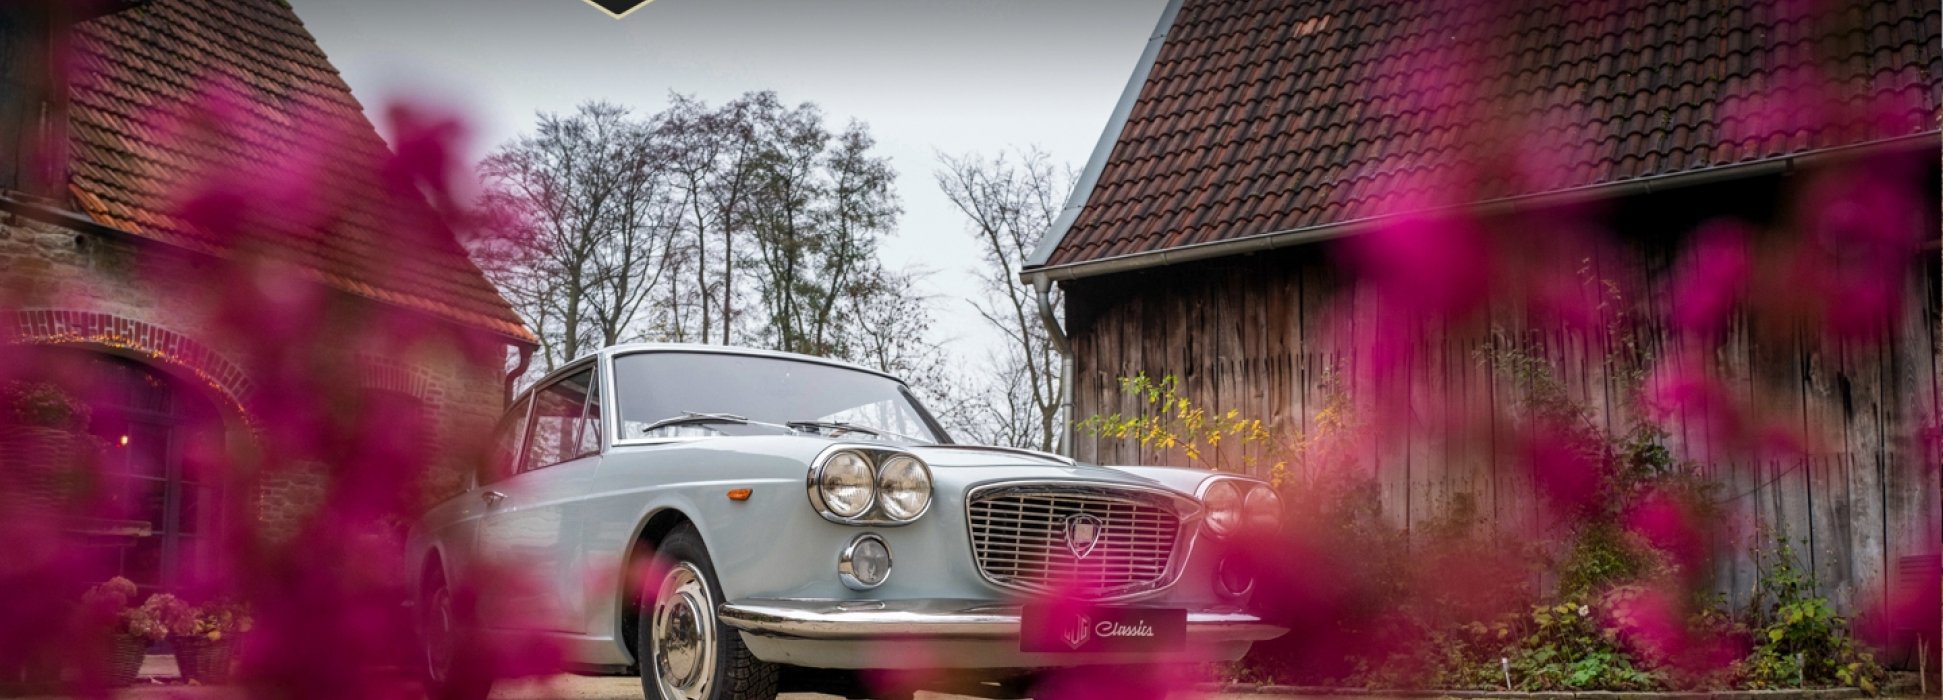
column 903, row 487
column 1262, row 509
column 1223, row 501
column 845, row 484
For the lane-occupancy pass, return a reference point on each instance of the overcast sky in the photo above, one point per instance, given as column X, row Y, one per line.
column 928, row 76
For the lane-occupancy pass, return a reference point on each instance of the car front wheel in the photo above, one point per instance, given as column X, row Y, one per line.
column 686, row 653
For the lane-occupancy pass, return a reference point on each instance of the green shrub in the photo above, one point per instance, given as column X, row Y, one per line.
column 1799, row 640
column 1568, row 648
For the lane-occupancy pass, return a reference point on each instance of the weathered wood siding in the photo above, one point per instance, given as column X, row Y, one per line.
column 1257, row 334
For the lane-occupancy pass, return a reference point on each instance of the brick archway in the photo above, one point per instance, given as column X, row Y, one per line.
column 164, row 347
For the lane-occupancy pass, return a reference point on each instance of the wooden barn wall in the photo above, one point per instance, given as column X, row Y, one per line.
column 1258, row 333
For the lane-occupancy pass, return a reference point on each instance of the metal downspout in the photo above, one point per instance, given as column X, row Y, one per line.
column 512, row 377
column 1043, row 286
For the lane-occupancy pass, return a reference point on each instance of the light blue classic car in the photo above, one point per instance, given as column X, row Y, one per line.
column 712, row 516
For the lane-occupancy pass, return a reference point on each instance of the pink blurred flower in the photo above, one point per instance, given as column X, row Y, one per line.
column 1711, row 279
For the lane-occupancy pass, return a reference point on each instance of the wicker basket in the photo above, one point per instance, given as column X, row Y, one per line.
column 205, row 661
column 125, row 655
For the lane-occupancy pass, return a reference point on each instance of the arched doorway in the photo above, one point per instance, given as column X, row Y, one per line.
column 158, row 509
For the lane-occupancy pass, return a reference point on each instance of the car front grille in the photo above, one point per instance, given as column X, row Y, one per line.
column 1020, row 539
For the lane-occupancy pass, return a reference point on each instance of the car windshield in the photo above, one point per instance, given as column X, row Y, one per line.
column 692, row 394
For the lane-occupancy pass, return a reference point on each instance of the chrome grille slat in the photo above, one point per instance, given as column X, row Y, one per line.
column 1019, row 538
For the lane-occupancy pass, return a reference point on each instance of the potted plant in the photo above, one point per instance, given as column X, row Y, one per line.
column 108, row 609
column 204, row 637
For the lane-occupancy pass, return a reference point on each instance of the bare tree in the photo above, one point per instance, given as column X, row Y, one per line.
column 898, row 319
column 1009, row 201
column 586, row 227
column 678, row 226
column 713, row 155
column 821, row 205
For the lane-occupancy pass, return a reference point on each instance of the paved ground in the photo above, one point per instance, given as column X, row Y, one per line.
column 565, row 687
column 629, row 688
column 575, row 688
column 562, row 688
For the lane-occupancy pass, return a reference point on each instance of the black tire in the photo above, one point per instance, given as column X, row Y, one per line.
column 738, row 674
column 445, row 619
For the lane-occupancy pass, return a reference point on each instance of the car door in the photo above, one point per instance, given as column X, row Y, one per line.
column 533, row 527
column 453, row 526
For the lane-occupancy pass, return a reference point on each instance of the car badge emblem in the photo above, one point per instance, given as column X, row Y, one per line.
column 1081, row 631
column 1082, row 533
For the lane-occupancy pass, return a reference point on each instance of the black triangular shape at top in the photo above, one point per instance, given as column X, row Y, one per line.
column 619, row 7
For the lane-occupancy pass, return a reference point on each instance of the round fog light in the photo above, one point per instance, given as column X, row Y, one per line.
column 1233, row 577
column 865, row 564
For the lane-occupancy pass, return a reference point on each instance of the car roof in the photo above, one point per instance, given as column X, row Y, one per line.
column 698, row 348
column 631, row 348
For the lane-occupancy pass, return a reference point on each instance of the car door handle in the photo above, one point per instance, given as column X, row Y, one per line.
column 492, row 498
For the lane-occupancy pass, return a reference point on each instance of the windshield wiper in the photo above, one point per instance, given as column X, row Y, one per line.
column 854, row 428
column 692, row 418
column 833, row 425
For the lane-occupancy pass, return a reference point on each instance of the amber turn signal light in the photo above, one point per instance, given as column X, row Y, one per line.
column 740, row 494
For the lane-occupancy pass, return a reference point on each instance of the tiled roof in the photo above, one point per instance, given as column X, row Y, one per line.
column 1269, row 116
column 144, row 84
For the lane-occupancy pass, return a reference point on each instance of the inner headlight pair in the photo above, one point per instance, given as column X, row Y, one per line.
column 1233, row 504
column 858, row 486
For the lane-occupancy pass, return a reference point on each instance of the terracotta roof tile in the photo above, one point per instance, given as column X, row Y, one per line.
column 1259, row 116
column 143, row 81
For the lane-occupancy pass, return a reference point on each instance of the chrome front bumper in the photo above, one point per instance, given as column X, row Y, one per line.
column 950, row 634
column 941, row 619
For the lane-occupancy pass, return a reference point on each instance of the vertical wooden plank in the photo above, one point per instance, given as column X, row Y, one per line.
column 1259, row 300
column 1830, row 528
column 1229, row 319
column 1865, row 369
column 1081, row 342
column 1318, row 309
column 1475, row 421
column 1180, row 347
column 1409, row 384
column 1908, row 493
column 1155, row 337
column 1789, row 486
column 1278, row 354
column 1133, row 322
column 1390, row 446
column 1122, row 450
column 1514, row 503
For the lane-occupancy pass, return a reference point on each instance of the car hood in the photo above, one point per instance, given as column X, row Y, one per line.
column 989, row 463
column 982, row 456
column 959, row 465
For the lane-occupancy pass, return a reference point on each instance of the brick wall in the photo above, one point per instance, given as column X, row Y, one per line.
column 64, row 288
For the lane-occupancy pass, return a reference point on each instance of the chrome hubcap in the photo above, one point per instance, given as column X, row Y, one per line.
column 683, row 634
column 438, row 635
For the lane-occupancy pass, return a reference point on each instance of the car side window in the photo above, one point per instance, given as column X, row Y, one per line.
column 505, row 448
column 559, row 418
